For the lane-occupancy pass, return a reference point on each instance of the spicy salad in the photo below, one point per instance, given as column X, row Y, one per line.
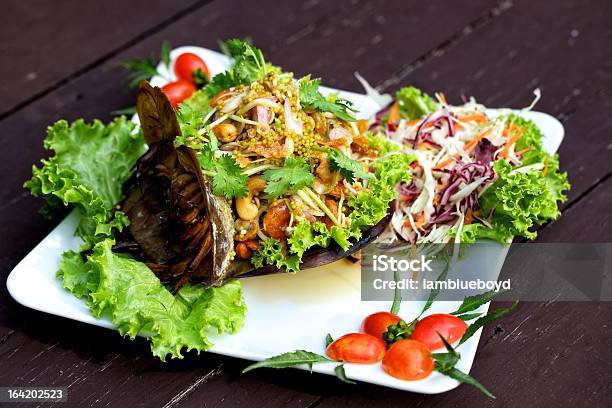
column 299, row 170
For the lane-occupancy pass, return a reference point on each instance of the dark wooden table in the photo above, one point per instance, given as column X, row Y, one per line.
column 60, row 60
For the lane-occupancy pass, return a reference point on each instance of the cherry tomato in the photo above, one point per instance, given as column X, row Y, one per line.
column 178, row 91
column 408, row 360
column 188, row 63
column 376, row 324
column 357, row 348
column 427, row 329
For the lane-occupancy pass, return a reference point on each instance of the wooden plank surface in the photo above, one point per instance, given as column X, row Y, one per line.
column 496, row 51
column 45, row 43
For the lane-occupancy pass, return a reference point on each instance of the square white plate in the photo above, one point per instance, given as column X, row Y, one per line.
column 308, row 305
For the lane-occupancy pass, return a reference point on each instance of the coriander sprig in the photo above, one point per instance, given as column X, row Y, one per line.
column 141, row 69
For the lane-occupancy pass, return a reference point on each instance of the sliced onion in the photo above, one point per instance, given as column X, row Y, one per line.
column 467, row 190
column 291, row 123
column 232, row 104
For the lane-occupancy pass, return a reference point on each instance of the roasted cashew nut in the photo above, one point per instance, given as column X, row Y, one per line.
column 226, row 132
column 245, row 207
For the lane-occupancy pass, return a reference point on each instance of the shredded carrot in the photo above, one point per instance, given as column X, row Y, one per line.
column 525, row 150
column 420, row 221
column 468, row 218
column 509, row 128
column 362, row 125
column 477, row 139
column 394, row 114
column 545, row 167
column 475, row 117
column 467, row 148
column 445, row 163
column 511, row 141
column 414, row 122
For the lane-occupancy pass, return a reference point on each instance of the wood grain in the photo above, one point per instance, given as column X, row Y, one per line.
column 45, row 43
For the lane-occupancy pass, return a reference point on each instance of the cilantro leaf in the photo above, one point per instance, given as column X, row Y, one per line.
column 294, row 175
column 311, row 98
column 229, row 179
column 143, row 69
column 249, row 66
column 348, row 168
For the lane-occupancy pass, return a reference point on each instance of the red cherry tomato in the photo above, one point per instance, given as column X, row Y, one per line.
column 408, row 360
column 357, row 348
column 178, row 91
column 188, row 63
column 376, row 324
column 427, row 329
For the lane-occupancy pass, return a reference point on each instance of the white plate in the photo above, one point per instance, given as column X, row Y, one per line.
column 285, row 312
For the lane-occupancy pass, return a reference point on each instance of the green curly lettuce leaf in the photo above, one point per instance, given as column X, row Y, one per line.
column 271, row 253
column 413, row 103
column 556, row 181
column 469, row 233
column 519, row 201
column 137, row 303
column 369, row 207
column 381, row 144
column 307, row 235
column 90, row 165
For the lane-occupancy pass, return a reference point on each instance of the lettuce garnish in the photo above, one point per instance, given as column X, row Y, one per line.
column 90, row 166
column 521, row 200
column 133, row 298
column 413, row 103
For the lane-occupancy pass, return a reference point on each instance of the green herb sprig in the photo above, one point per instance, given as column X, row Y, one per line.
column 297, row 358
column 311, row 98
column 145, row 68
